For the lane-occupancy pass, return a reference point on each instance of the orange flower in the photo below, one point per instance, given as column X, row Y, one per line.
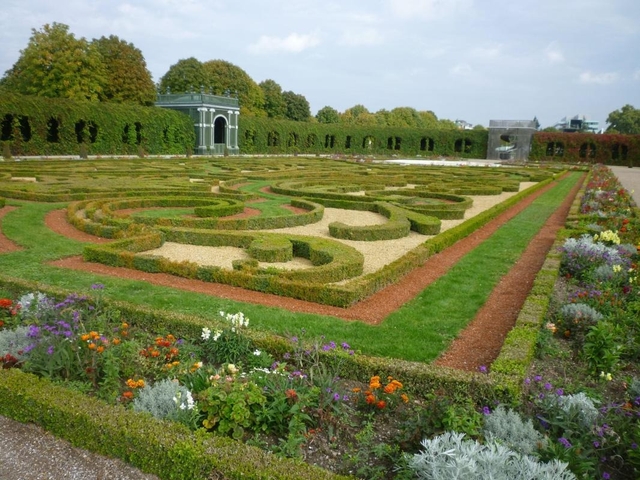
column 370, row 399
column 94, row 335
column 140, row 383
column 155, row 353
column 124, row 325
column 381, row 404
column 404, row 398
column 291, row 394
column 128, row 395
column 85, row 337
column 100, row 349
column 356, row 390
column 5, row 303
column 374, row 383
column 92, row 346
column 116, row 341
column 171, row 338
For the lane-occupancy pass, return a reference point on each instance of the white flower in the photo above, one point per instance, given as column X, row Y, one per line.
column 216, row 335
column 257, row 353
column 206, row 333
column 231, row 368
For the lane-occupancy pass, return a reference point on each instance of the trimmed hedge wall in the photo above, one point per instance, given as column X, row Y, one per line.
column 51, row 126
column 609, row 149
column 268, row 136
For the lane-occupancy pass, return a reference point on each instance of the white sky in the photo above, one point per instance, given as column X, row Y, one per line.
column 474, row 60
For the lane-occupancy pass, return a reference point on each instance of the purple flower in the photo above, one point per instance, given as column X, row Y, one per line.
column 606, row 475
column 634, row 445
column 482, row 368
column 537, row 378
column 97, row 286
column 34, row 331
column 527, row 381
column 486, row 410
column 566, row 443
column 294, row 339
column 560, row 392
column 326, row 348
column 286, row 356
column 548, row 386
column 336, row 397
column 345, row 398
column 596, row 444
column 50, row 350
column 345, row 346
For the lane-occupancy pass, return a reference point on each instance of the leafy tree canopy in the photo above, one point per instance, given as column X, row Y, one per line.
column 274, row 103
column 328, row 115
column 404, row 117
column 625, row 120
column 187, row 75
column 298, row 108
column 128, row 79
column 225, row 77
column 57, row 64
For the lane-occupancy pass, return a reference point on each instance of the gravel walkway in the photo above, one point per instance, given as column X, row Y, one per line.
column 630, row 179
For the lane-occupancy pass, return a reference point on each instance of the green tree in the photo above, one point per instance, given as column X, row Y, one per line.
column 429, row 119
column 405, row 117
column 128, row 79
column 298, row 108
column 186, row 75
column 274, row 103
column 352, row 114
column 328, row 115
column 626, row 120
column 227, row 78
column 57, row 64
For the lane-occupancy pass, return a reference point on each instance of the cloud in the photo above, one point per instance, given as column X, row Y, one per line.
column 636, row 74
column 427, row 9
column 362, row 37
column 462, row 70
column 293, row 43
column 489, row 52
column 598, row 78
column 553, row 53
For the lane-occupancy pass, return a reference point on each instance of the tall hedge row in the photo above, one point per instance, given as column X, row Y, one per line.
column 268, row 136
column 51, row 126
column 608, row 149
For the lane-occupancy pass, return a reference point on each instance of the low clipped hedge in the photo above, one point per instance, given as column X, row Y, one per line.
column 2, row 202
column 100, row 217
column 332, row 261
column 401, row 221
column 273, row 249
column 168, row 450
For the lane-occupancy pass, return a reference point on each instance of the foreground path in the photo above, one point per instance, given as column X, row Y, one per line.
column 630, row 180
column 27, row 452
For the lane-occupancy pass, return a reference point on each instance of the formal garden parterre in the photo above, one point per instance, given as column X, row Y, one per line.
column 277, row 383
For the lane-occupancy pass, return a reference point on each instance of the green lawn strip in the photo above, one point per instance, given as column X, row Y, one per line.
column 434, row 317
column 272, row 206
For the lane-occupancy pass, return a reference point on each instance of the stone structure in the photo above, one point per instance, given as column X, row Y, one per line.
column 510, row 139
column 215, row 119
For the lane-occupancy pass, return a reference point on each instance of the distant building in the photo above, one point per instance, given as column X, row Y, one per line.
column 578, row 123
column 215, row 119
column 510, row 139
column 462, row 125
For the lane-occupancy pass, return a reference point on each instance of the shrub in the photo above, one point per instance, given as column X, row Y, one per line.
column 14, row 342
column 166, row 399
column 450, row 456
column 505, row 426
